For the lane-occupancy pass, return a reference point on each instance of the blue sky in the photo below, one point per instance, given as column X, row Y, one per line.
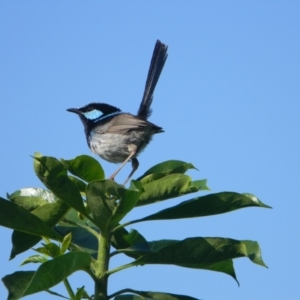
column 228, row 100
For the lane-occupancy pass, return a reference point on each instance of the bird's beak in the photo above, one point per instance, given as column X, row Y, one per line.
column 74, row 110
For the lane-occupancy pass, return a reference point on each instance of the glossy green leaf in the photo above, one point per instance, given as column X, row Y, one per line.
column 34, row 259
column 32, row 198
column 195, row 252
column 141, row 295
column 82, row 294
column 253, row 252
column 33, row 192
column 16, row 283
column 42, row 250
column 56, row 270
column 74, row 218
column 109, row 202
column 213, row 254
column 122, row 239
column 134, row 237
column 168, row 187
column 85, row 167
column 127, row 201
column 168, row 167
column 100, row 202
column 172, row 252
column 50, row 213
column 118, row 239
column 80, row 237
column 72, row 223
column 201, row 184
column 81, row 185
column 65, row 243
column 49, row 274
column 48, row 168
column 53, row 249
column 54, row 175
column 206, row 206
column 16, row 217
column 21, row 242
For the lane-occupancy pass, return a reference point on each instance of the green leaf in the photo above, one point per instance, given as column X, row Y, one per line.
column 49, row 274
column 52, row 249
column 65, row 243
column 21, row 242
column 85, row 167
column 109, row 202
column 74, row 218
column 80, row 237
column 16, row 217
column 169, row 167
column 100, row 202
column 206, row 206
column 43, row 250
column 83, row 238
column 122, row 239
column 168, row 187
column 118, row 239
column 82, row 294
column 194, row 252
column 201, row 185
column 157, row 253
column 34, row 259
column 48, row 168
column 127, row 201
column 213, row 254
column 81, row 185
column 16, row 283
column 134, row 237
column 50, row 213
column 152, row 296
column 31, row 198
column 253, row 252
column 54, row 175
column 56, row 270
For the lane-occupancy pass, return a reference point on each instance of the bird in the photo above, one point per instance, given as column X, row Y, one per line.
column 119, row 137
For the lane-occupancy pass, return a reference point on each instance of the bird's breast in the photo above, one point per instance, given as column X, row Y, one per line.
column 111, row 147
column 115, row 147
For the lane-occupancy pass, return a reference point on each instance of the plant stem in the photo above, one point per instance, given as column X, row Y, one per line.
column 69, row 289
column 101, row 272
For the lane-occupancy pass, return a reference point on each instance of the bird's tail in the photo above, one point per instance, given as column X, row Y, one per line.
column 158, row 60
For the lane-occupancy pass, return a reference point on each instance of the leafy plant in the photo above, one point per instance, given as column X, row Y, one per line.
column 84, row 212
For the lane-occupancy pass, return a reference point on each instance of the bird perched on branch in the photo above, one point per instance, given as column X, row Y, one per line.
column 117, row 136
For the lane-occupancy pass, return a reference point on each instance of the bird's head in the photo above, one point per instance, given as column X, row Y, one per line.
column 94, row 111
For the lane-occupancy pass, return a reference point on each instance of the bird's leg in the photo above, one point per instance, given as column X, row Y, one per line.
column 135, row 163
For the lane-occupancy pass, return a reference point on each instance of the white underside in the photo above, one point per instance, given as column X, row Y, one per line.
column 114, row 147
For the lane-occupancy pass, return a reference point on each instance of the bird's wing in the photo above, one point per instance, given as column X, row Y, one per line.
column 123, row 123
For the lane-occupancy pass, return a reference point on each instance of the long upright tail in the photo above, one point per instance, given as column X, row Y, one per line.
column 158, row 60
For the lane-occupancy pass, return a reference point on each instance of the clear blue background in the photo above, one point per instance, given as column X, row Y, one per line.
column 228, row 100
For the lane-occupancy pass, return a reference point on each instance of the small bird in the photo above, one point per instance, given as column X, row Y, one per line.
column 116, row 136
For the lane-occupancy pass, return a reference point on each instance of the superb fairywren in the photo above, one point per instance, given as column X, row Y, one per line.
column 117, row 136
